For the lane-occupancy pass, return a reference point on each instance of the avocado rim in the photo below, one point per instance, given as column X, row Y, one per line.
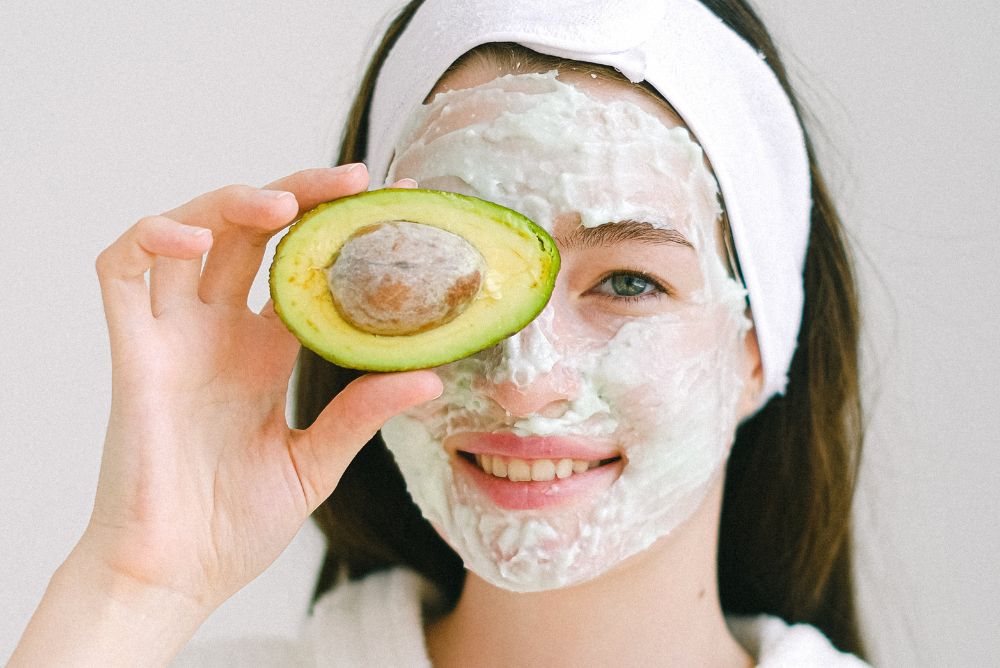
column 353, row 348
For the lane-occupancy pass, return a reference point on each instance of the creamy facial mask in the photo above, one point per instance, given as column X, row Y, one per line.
column 660, row 391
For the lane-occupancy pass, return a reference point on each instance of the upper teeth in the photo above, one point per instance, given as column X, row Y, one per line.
column 520, row 470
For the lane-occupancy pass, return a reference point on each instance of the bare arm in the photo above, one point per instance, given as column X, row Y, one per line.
column 202, row 484
column 90, row 617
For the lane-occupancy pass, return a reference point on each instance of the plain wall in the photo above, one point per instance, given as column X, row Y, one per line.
column 112, row 111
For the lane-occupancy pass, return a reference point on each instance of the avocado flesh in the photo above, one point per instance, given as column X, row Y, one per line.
column 521, row 264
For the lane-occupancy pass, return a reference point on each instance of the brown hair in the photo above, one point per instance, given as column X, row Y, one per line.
column 785, row 530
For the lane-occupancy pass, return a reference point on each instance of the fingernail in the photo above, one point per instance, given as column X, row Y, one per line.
column 406, row 183
column 277, row 194
column 349, row 168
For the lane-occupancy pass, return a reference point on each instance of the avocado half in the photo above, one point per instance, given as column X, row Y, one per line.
column 519, row 258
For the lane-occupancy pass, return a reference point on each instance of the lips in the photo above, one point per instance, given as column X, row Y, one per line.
column 529, row 447
column 534, row 472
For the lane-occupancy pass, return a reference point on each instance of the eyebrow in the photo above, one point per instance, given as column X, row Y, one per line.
column 610, row 234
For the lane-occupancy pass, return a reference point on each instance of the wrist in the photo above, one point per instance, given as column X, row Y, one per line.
column 90, row 615
column 117, row 590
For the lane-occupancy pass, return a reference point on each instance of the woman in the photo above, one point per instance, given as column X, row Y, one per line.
column 637, row 374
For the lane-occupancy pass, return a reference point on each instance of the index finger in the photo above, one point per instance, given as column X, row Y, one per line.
column 315, row 186
column 246, row 225
column 237, row 206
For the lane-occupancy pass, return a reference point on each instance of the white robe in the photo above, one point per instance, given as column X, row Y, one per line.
column 378, row 622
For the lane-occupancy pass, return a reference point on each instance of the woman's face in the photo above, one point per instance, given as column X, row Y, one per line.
column 600, row 427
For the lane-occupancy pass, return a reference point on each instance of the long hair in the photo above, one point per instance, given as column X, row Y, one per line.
column 785, row 529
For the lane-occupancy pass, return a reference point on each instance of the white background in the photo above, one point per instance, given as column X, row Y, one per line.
column 112, row 111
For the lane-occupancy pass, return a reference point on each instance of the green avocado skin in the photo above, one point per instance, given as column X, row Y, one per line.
column 520, row 255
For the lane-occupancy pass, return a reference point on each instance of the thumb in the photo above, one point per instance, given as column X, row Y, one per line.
column 322, row 452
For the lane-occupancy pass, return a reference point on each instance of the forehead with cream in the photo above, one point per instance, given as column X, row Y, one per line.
column 600, row 82
column 583, row 149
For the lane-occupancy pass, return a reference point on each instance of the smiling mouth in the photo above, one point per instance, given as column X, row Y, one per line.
column 515, row 469
column 534, row 472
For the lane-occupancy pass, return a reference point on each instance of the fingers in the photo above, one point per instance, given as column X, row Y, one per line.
column 121, row 267
column 239, row 248
column 172, row 280
column 244, row 218
column 315, row 186
column 238, row 222
column 323, row 451
column 251, row 218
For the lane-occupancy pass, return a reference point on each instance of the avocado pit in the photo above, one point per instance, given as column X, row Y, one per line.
column 396, row 277
column 416, row 298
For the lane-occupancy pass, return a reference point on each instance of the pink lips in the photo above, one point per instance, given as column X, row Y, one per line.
column 533, row 494
column 528, row 447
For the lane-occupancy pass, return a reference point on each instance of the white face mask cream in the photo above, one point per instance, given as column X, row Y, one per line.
column 623, row 425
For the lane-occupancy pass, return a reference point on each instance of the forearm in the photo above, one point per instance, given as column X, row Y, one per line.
column 91, row 618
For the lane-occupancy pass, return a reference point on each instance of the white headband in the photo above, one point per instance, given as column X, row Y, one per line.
column 727, row 95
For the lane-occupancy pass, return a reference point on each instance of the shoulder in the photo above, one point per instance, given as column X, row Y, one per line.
column 777, row 644
column 375, row 621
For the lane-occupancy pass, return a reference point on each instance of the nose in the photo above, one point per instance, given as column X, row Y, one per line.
column 547, row 394
column 528, row 375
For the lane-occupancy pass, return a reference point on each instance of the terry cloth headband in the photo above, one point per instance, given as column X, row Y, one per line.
column 722, row 88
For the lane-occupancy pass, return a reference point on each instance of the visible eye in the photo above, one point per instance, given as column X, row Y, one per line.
column 629, row 285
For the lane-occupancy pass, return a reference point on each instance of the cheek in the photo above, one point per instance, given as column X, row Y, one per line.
column 673, row 381
column 463, row 406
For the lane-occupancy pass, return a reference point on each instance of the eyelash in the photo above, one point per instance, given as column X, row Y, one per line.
column 658, row 289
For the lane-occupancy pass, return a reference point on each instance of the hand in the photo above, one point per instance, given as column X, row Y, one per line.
column 202, row 482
